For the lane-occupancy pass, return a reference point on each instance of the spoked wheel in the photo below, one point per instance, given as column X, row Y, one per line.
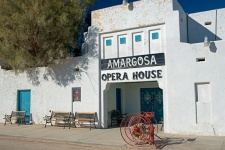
column 138, row 130
column 124, row 129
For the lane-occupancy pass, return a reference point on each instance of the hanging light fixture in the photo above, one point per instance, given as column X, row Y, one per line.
column 124, row 2
column 206, row 42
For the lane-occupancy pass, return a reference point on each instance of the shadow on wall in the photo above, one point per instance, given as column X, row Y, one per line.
column 64, row 72
column 213, row 47
column 197, row 32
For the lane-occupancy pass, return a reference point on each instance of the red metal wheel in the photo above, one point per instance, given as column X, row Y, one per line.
column 138, row 129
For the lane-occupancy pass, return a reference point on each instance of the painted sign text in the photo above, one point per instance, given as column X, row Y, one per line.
column 138, row 75
column 133, row 62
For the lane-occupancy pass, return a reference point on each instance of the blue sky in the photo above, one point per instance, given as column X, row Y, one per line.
column 190, row 6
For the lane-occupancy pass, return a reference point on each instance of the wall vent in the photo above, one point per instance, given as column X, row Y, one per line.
column 208, row 23
column 200, row 59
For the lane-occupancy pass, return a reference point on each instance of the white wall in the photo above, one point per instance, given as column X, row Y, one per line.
column 51, row 88
column 134, row 15
column 183, row 21
column 199, row 25
column 198, row 28
column 220, row 30
column 182, row 70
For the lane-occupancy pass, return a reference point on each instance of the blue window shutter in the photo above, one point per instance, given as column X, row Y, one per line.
column 137, row 38
column 108, row 42
column 155, row 35
column 123, row 40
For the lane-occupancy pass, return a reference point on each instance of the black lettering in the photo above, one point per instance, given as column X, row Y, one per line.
column 141, row 75
column 118, row 76
column 148, row 74
column 104, row 77
column 108, row 76
column 159, row 73
column 153, row 74
column 113, row 77
column 125, row 76
column 135, row 75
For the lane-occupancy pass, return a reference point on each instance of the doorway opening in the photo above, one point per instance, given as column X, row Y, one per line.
column 135, row 97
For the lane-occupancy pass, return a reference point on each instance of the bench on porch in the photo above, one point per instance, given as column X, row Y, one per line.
column 57, row 117
column 17, row 116
column 84, row 117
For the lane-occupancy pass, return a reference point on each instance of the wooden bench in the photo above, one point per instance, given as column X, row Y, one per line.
column 85, row 117
column 18, row 116
column 57, row 117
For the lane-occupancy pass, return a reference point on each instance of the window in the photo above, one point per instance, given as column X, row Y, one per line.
column 123, row 40
column 108, row 42
column 137, row 38
column 155, row 35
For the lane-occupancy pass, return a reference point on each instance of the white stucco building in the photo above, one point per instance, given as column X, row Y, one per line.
column 147, row 55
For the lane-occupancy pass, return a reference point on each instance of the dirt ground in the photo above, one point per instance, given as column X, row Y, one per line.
column 14, row 143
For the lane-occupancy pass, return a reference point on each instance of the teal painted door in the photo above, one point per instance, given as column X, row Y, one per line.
column 118, row 99
column 24, row 103
column 152, row 101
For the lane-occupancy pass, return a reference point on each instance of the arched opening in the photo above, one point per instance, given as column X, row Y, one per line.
column 134, row 97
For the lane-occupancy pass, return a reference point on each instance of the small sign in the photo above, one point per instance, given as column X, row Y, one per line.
column 76, row 94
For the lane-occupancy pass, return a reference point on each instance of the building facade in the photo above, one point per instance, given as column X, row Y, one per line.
column 143, row 56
